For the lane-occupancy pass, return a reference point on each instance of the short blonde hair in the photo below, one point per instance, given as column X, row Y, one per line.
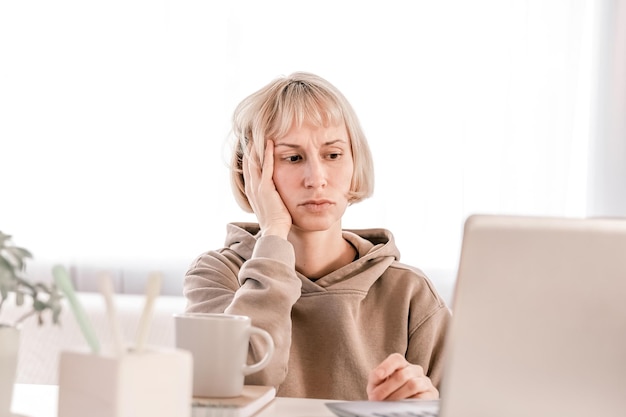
column 300, row 97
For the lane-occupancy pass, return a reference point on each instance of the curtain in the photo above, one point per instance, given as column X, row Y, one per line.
column 607, row 176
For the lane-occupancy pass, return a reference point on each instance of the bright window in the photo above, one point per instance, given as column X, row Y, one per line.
column 113, row 115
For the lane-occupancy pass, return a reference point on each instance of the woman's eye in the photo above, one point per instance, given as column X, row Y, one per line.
column 293, row 158
column 335, row 155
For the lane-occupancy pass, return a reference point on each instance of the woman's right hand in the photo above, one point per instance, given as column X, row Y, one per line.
column 268, row 206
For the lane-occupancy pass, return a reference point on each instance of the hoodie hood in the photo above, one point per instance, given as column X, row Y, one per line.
column 376, row 247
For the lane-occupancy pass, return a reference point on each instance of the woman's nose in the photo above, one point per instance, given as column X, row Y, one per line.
column 315, row 174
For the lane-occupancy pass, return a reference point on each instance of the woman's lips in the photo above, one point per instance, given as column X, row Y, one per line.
column 316, row 205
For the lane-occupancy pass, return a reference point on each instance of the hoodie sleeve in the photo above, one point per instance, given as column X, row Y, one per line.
column 427, row 342
column 265, row 288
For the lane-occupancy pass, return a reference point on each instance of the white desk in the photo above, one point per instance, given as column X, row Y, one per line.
column 35, row 400
column 41, row 401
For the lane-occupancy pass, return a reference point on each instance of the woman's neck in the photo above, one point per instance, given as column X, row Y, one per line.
column 320, row 253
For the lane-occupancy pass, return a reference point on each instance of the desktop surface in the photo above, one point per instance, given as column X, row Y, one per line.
column 30, row 400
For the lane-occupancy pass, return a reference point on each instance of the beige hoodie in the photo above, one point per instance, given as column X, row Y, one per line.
column 329, row 333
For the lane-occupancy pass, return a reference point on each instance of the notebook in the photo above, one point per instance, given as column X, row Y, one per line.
column 252, row 399
column 539, row 321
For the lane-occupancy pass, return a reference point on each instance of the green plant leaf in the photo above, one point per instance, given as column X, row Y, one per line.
column 39, row 305
column 18, row 255
column 19, row 298
column 20, row 252
column 56, row 313
column 4, row 239
column 12, row 263
column 6, row 265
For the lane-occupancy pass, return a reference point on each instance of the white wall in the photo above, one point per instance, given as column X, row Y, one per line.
column 113, row 116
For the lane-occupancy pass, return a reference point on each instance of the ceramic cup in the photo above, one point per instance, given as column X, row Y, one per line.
column 219, row 346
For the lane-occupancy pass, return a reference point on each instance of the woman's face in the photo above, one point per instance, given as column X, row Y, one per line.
column 313, row 170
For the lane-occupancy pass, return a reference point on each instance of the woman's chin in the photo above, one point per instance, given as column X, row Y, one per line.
column 311, row 225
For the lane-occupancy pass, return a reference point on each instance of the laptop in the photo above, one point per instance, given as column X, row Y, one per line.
column 539, row 323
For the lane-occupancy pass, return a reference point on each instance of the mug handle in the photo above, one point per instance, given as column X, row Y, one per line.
column 269, row 342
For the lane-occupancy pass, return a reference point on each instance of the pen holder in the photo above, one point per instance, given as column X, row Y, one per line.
column 155, row 383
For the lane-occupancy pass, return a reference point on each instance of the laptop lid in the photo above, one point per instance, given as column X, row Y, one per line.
column 539, row 319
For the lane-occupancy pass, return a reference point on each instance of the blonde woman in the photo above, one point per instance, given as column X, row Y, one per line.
column 349, row 321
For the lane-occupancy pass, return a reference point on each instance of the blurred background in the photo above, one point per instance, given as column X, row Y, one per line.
column 114, row 118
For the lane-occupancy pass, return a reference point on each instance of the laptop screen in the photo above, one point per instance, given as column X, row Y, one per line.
column 539, row 319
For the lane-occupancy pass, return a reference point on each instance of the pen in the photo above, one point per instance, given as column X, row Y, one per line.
column 152, row 291
column 65, row 285
column 106, row 288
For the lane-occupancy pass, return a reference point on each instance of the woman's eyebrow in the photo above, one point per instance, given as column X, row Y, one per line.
column 296, row 146
column 288, row 145
column 332, row 142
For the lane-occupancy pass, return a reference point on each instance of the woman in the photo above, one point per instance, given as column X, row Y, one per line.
column 348, row 320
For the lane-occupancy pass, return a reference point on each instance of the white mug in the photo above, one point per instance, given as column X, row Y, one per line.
column 219, row 346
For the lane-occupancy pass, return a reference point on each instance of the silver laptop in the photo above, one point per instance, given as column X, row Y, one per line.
column 539, row 321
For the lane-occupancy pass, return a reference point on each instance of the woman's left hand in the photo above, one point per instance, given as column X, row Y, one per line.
column 397, row 379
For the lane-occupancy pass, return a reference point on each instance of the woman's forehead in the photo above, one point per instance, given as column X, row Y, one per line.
column 335, row 127
column 321, row 119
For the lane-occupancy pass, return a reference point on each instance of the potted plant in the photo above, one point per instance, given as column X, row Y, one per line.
column 36, row 297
